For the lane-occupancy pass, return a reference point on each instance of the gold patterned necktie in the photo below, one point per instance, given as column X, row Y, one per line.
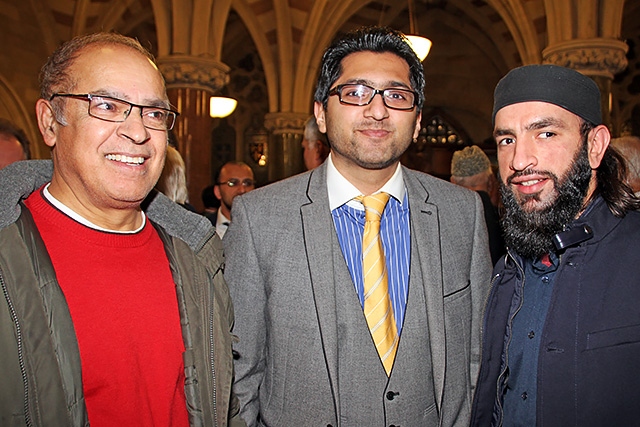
column 377, row 304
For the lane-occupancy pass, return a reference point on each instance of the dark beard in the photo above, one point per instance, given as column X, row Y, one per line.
column 530, row 234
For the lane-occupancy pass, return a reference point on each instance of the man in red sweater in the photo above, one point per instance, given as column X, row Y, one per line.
column 116, row 311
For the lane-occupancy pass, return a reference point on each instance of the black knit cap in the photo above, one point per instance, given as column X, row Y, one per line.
column 561, row 86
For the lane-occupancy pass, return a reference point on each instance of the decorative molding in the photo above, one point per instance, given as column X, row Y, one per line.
column 592, row 57
column 197, row 72
column 279, row 123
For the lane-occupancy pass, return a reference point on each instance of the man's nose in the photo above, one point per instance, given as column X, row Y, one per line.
column 524, row 156
column 377, row 109
column 133, row 128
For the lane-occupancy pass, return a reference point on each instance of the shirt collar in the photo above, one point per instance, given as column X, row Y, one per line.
column 341, row 191
column 221, row 220
column 82, row 220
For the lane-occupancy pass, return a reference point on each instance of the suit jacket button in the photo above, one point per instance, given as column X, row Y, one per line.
column 391, row 395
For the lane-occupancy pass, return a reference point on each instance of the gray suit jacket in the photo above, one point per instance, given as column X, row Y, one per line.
column 281, row 269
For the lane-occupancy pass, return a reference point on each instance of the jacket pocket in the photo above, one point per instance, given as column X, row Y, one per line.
column 613, row 337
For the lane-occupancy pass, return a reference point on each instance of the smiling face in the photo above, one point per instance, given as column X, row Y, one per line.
column 99, row 166
column 548, row 171
column 370, row 137
column 537, row 145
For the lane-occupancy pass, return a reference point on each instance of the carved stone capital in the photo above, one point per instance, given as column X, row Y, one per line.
column 197, row 72
column 279, row 123
column 592, row 57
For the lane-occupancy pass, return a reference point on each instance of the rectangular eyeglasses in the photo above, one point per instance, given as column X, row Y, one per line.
column 233, row 182
column 359, row 94
column 117, row 110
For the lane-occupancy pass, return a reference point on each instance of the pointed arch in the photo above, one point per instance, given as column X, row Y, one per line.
column 521, row 29
column 285, row 52
column 219, row 17
column 264, row 51
column 162, row 18
column 44, row 17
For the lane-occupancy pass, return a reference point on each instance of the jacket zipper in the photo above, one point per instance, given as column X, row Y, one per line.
column 211, row 351
column 23, row 369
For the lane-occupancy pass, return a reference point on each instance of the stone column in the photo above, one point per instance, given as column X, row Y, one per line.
column 598, row 58
column 285, row 150
column 191, row 81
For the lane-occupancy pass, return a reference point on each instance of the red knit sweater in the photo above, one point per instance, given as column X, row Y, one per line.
column 123, row 304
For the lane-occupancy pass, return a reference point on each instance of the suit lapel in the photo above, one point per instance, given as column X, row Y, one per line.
column 425, row 250
column 318, row 229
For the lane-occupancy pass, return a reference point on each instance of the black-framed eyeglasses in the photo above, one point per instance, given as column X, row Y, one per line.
column 233, row 182
column 117, row 110
column 359, row 94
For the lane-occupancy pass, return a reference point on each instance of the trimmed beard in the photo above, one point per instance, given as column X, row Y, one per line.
column 530, row 234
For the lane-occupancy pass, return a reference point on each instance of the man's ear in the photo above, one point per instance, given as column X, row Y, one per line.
column 318, row 111
column 416, row 131
column 47, row 122
column 598, row 141
column 216, row 192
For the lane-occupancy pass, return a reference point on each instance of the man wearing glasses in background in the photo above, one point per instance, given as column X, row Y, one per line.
column 114, row 309
column 347, row 318
column 234, row 178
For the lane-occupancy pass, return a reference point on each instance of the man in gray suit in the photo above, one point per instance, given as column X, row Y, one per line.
column 308, row 351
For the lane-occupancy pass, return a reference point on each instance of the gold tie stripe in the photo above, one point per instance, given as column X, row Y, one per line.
column 377, row 304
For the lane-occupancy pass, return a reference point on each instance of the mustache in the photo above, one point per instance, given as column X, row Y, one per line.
column 373, row 124
column 526, row 172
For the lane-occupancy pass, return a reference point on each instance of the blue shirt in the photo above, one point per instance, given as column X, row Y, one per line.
column 520, row 397
column 348, row 217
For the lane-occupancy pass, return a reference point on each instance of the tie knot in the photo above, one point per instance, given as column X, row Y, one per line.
column 374, row 205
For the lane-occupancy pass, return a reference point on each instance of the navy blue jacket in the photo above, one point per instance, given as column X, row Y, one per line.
column 589, row 361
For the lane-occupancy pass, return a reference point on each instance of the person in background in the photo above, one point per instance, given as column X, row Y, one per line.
column 331, row 329
column 233, row 179
column 314, row 143
column 629, row 148
column 561, row 335
column 114, row 308
column 14, row 144
column 471, row 168
column 173, row 179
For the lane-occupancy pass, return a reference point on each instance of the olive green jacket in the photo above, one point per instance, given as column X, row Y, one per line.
column 41, row 377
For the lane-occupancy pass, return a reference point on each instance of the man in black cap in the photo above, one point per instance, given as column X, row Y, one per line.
column 562, row 325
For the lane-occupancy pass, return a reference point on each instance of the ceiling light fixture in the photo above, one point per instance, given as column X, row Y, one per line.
column 420, row 45
column 221, row 106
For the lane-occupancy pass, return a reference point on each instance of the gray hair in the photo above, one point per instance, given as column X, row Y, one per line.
column 312, row 134
column 55, row 76
column 173, row 180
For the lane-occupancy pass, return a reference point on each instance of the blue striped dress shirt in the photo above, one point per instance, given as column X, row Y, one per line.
column 349, row 221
